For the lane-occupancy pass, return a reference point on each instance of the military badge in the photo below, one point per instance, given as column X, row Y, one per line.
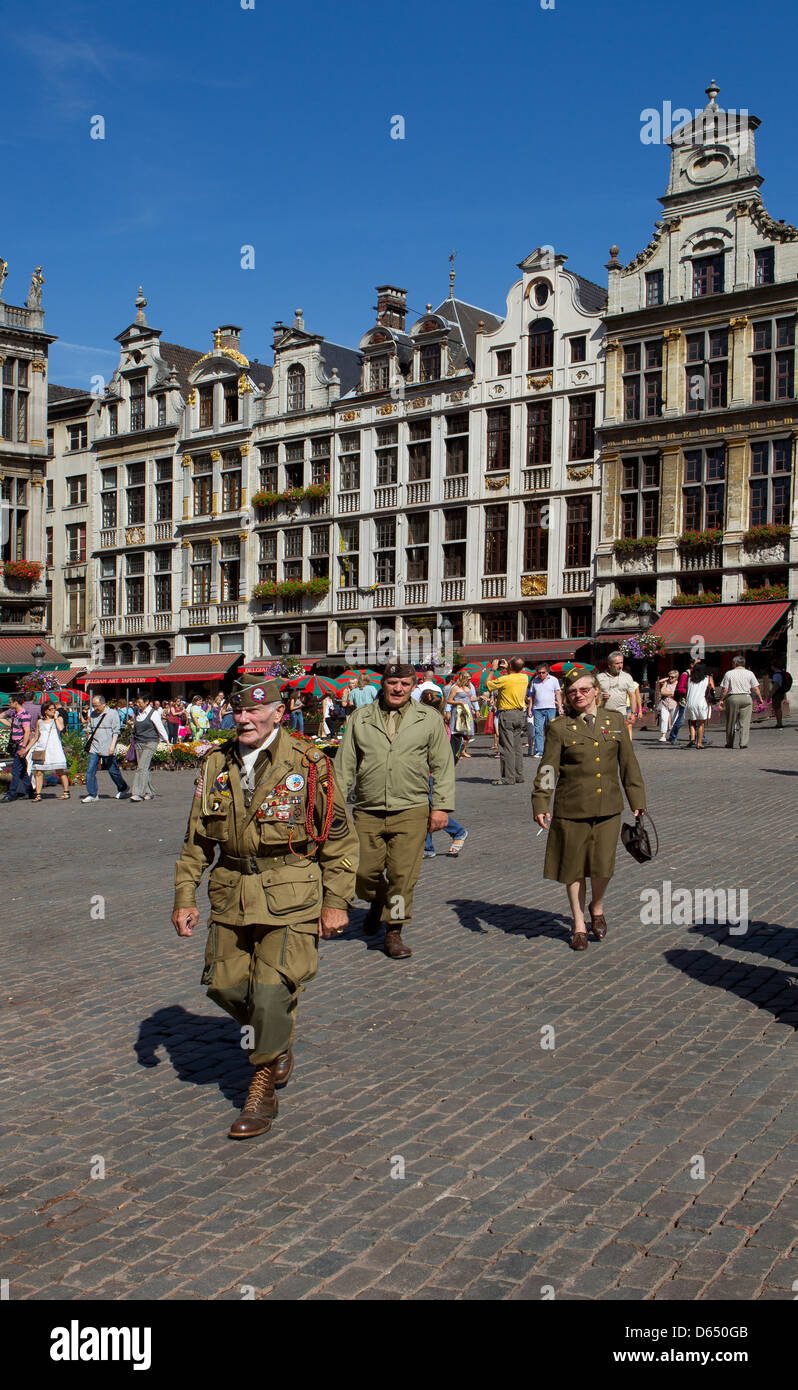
column 295, row 782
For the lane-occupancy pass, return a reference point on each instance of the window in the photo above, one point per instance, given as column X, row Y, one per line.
column 774, row 359
column 704, row 488
column 419, row 450
column 296, row 388
column 578, row 532
column 136, row 492
column 707, row 370
column 163, row 495
column 579, row 348
column 320, row 460
column 206, row 407
column 137, row 420
column 769, row 483
column 536, row 535
column 498, row 438
column 707, row 275
column 654, row 288
column 379, row 373
column 50, row 503
column 15, row 400
column 108, row 595
column 455, row 531
column 203, row 485
column 293, row 543
column 387, row 455
column 75, row 605
column 163, row 593
column 230, row 569
column 543, row 623
column 48, row 547
column 457, row 444
column 430, row 362
column 13, row 534
column 496, row 540
column 350, row 461
column 134, row 595
column 764, row 266
column 108, row 497
column 640, row 484
column 292, row 569
column 583, row 410
column 320, row 552
column 541, row 344
column 642, row 380
column 76, row 544
column 349, row 559
column 385, row 550
column 161, row 411
column 113, row 419
column 201, row 572
column 538, row 433
column 230, row 402
column 231, row 481
column 76, row 490
column 78, row 437
column 580, row 622
column 500, row 627
column 504, row 362
column 417, row 551
column 267, row 546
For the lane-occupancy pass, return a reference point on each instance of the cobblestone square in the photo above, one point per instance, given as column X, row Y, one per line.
column 495, row 1118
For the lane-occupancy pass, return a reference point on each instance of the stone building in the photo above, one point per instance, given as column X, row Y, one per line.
column 698, row 442
column 70, row 509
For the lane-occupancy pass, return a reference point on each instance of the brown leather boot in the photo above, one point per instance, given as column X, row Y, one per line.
column 282, row 1067
column 259, row 1109
column 394, row 945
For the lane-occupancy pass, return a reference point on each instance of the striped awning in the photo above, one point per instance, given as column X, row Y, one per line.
column 122, row 675
column 544, row 649
column 723, row 627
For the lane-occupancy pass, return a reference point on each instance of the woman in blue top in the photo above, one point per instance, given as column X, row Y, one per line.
column 364, row 692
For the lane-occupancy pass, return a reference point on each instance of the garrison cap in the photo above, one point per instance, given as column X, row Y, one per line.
column 249, row 692
column 576, row 673
column 398, row 670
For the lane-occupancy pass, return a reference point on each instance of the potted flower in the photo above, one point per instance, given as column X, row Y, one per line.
column 758, row 536
column 635, row 545
column 640, row 645
column 695, row 600
column 29, row 571
column 700, row 540
column 767, row 593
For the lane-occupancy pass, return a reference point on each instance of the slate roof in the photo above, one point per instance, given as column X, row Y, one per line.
column 346, row 360
column 262, row 375
column 467, row 317
column 63, row 393
column 591, row 296
column 183, row 359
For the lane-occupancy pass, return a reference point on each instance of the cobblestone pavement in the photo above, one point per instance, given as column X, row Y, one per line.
column 574, row 1167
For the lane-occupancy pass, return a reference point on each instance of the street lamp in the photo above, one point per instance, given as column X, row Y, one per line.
column 446, row 630
column 38, row 656
column 285, row 642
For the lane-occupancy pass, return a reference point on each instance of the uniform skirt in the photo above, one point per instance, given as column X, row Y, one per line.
column 581, row 848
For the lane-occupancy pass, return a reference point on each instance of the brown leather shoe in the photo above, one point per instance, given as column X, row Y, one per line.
column 282, row 1067
column 259, row 1109
column 598, row 925
column 579, row 941
column 395, row 946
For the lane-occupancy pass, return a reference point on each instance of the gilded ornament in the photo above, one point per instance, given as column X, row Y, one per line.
column 187, row 460
column 223, row 352
column 741, row 322
column 191, row 398
column 386, row 409
column 532, row 585
column 38, row 365
column 577, row 474
column 671, row 335
column 350, row 415
column 495, row 483
column 244, row 388
column 539, row 383
column 215, row 456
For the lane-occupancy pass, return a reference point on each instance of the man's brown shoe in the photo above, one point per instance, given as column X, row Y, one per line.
column 259, row 1109
column 282, row 1067
column 394, row 945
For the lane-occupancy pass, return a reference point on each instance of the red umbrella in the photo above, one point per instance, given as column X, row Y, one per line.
column 561, row 668
column 312, row 685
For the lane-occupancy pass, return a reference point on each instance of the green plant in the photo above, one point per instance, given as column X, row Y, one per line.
column 700, row 540
column 29, row 570
column 635, row 545
column 694, row 600
column 766, row 535
column 767, row 593
column 629, row 603
column 265, row 498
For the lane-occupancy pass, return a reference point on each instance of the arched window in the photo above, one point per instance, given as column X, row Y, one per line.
column 541, row 344
column 125, row 654
column 143, row 657
column 296, row 387
column 109, row 655
column 163, row 652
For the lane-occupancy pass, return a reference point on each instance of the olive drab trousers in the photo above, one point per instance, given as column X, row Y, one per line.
column 256, row 974
column 391, row 851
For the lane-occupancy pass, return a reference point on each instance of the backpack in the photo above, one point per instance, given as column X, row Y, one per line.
column 681, row 687
column 786, row 682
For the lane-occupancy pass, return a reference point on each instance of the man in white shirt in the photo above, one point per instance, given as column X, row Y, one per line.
column 618, row 688
column 736, row 689
column 148, row 730
column 428, row 683
column 543, row 702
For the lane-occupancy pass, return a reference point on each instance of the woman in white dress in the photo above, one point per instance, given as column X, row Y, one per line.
column 48, row 741
column 696, row 710
column 326, row 706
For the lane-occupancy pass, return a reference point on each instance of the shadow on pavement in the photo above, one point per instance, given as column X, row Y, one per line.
column 203, row 1051
column 511, row 918
column 780, row 771
column 775, row 991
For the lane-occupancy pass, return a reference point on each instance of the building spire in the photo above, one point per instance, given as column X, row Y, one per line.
column 141, row 305
column 712, row 92
column 451, row 275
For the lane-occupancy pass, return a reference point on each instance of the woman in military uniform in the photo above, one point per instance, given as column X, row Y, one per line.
column 585, row 751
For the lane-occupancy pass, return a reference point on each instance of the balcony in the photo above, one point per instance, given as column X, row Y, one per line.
column 318, row 506
column 709, row 559
column 385, row 596
column 163, row 530
column 576, row 581
column 386, row 497
column 416, row 593
column 455, row 487
column 452, row 590
column 228, row 612
column 537, row 479
column 198, row 615
column 348, row 600
column 108, row 539
column 162, row 622
column 349, row 501
column 494, row 586
column 418, row 493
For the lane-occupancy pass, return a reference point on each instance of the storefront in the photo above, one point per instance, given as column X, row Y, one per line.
column 717, row 632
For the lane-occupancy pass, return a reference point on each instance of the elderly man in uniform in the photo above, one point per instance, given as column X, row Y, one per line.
column 288, row 853
column 389, row 751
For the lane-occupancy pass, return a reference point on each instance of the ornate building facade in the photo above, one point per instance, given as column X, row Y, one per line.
column 698, row 444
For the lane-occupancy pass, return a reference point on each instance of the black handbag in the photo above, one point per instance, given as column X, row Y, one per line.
column 637, row 839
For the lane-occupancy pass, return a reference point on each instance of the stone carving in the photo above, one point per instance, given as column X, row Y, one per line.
column 539, row 383
column 644, row 256
column 3, row 274
column 34, row 299
column 532, row 585
column 134, row 535
column 350, row 415
column 777, row 554
column 644, row 563
column 764, row 223
column 577, row 474
column 495, row 483
column 384, row 410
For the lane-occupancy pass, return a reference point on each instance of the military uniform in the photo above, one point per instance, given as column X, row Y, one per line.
column 585, row 760
column 270, row 881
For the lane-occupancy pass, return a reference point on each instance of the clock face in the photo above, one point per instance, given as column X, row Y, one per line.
column 708, row 165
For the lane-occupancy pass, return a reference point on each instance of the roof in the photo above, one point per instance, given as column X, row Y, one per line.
column 467, row 317
column 66, row 678
column 122, row 675
column 592, row 297
column 541, row 649
column 65, row 393
column 182, row 359
column 16, row 656
column 722, row 627
column 203, row 665
column 261, row 374
column 346, row 360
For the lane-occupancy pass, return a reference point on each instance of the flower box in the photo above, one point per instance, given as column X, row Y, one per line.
column 768, row 593
column 771, row 534
column 695, row 600
column 629, row 603
column 291, row 588
column 30, row 571
column 700, row 540
column 635, row 545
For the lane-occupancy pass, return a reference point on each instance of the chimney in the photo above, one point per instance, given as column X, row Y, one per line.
column 391, row 307
column 227, row 337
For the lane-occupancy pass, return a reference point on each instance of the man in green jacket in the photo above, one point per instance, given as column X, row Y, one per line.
column 389, row 750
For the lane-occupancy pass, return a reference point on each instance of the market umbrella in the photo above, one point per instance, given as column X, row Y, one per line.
column 312, row 685
column 561, row 668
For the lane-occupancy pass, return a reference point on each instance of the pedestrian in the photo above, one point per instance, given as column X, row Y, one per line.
column 462, row 707
column 666, row 703
column 20, row 738
column 226, row 719
column 172, row 721
column 364, row 692
column 544, row 703
column 102, row 725
column 326, row 707
column 197, row 718
column 286, row 873
column 453, row 828
column 511, row 694
column 388, row 752
column 696, row 710
column 46, row 753
column 780, row 686
column 296, row 712
column 681, row 702
column 428, row 682
column 736, row 689
column 618, row 689
column 148, row 731
column 582, row 839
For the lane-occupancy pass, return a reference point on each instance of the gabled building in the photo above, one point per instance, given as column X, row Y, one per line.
column 70, row 506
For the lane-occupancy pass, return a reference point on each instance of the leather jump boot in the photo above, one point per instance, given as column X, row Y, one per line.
column 282, row 1067
column 260, row 1107
column 394, row 945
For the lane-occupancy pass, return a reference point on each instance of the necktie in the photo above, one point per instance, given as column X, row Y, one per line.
column 391, row 723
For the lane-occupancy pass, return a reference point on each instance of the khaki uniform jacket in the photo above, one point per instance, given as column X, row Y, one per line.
column 285, row 888
column 585, row 764
column 393, row 776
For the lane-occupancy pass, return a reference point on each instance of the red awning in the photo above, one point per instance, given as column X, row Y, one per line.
column 203, row 666
column 66, row 678
column 16, row 656
column 259, row 668
column 122, row 675
column 723, row 627
column 543, row 649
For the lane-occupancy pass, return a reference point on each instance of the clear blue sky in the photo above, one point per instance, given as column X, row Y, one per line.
column 271, row 127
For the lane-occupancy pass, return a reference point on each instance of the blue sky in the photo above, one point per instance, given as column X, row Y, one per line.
column 271, row 127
